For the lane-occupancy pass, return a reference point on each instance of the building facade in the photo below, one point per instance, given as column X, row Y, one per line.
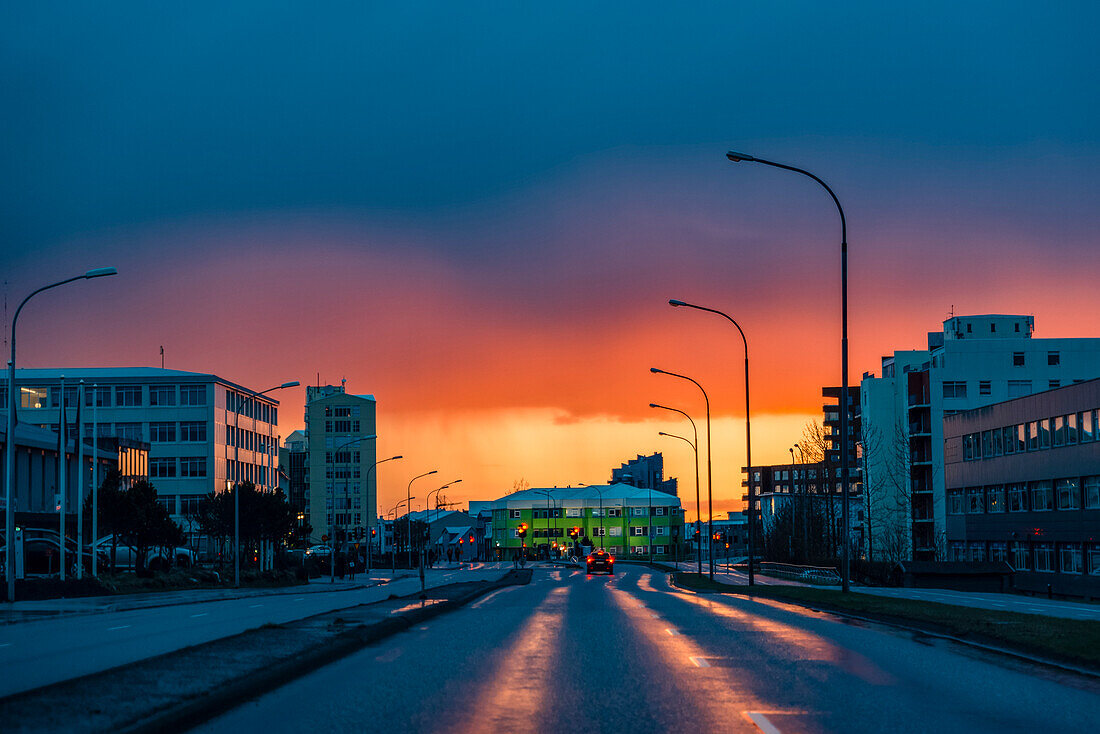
column 623, row 519
column 202, row 431
column 340, row 467
column 645, row 472
column 1023, row 486
column 975, row 361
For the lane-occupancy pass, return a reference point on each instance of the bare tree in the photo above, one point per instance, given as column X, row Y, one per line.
column 520, row 485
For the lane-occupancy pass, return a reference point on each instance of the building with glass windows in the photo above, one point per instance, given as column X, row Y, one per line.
column 202, row 430
column 974, row 361
column 340, row 474
column 1023, row 486
column 623, row 519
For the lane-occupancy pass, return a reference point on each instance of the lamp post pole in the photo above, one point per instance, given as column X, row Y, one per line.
column 710, row 493
column 748, row 432
column 428, row 505
column 549, row 499
column 393, row 548
column 600, row 493
column 237, row 406
column 366, row 486
column 698, row 505
column 699, row 539
column 806, row 510
column 844, row 478
column 408, row 512
column 9, row 448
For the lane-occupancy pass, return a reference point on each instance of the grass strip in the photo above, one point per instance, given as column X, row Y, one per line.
column 1072, row 641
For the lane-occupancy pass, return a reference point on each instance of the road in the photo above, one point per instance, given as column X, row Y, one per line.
column 571, row 652
column 61, row 648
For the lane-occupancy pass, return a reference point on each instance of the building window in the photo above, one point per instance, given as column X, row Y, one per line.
column 1068, row 494
column 661, row 530
column 1032, row 429
column 1044, row 433
column 128, row 396
column 1018, row 388
column 1044, row 557
column 1092, row 493
column 977, row 552
column 997, row 499
column 574, row 512
column 998, row 551
column 131, row 431
column 599, row 531
column 1041, row 496
column 1094, row 559
column 100, row 395
column 987, row 444
column 615, row 512
column 162, row 467
column 162, row 395
column 954, row 389
column 514, row 514
column 1071, row 429
column 1086, row 426
column 638, row 529
column 1017, row 359
column 1053, row 384
column 192, row 431
column 1054, row 359
column 1020, row 558
column 192, row 394
column 659, row 511
column 1017, row 498
column 615, row 531
column 955, row 501
column 162, row 432
column 975, row 504
column 639, row 511
column 193, row 466
column 1071, row 559
column 33, row 397
column 985, row 387
column 639, row 550
column 1059, row 430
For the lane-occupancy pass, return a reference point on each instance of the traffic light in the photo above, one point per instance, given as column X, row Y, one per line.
column 373, row 532
column 471, row 539
column 522, row 530
column 574, row 532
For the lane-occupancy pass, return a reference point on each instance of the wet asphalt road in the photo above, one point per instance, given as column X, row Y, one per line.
column 576, row 653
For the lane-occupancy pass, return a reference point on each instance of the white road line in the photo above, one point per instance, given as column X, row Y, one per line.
column 762, row 723
column 699, row 662
column 193, row 615
column 5, row 644
column 298, row 599
column 255, row 606
column 672, row 632
column 120, row 627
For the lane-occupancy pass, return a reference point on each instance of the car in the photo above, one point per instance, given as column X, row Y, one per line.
column 125, row 556
column 319, row 551
column 600, row 560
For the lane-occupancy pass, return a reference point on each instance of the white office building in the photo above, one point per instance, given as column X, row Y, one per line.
column 975, row 361
column 190, row 421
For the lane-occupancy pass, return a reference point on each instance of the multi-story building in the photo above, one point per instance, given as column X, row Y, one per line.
column 975, row 361
column 340, row 469
column 1023, row 486
column 202, row 430
column 624, row 519
column 293, row 460
column 645, row 472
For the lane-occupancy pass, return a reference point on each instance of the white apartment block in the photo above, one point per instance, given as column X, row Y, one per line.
column 189, row 419
column 975, row 361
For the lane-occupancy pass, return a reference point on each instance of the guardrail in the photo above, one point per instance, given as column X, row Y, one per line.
column 820, row 575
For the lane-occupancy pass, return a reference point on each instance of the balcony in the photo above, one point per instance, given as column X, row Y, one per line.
column 919, row 400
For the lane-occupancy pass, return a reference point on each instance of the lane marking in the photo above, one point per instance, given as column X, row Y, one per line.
column 700, row 662
column 5, row 644
column 198, row 615
column 762, row 722
column 299, row 598
column 254, row 606
column 120, row 627
column 672, row 631
column 489, row 597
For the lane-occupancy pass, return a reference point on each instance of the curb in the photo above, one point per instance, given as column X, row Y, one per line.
column 1007, row 652
column 186, row 715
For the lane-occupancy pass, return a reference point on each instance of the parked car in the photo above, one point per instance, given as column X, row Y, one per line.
column 157, row 560
column 319, row 551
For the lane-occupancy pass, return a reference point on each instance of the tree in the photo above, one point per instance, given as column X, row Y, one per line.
column 265, row 517
column 520, row 485
column 147, row 524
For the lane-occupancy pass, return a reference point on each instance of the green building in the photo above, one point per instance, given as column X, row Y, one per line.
column 623, row 519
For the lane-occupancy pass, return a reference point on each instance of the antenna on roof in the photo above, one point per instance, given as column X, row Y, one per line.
column 162, row 356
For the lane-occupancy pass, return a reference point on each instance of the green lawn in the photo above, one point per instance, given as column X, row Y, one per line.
column 1065, row 640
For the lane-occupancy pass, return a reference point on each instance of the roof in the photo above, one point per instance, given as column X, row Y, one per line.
column 31, row 436
column 144, row 374
column 593, row 495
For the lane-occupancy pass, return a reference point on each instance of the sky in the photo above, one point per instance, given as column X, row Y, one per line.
column 477, row 212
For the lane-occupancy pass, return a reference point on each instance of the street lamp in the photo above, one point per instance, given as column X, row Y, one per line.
column 366, row 485
column 844, row 479
column 748, row 430
column 237, row 475
column 9, row 449
column 698, row 504
column 549, row 499
column 710, row 494
column 393, row 550
column 699, row 536
column 428, row 505
column 408, row 511
column 600, row 493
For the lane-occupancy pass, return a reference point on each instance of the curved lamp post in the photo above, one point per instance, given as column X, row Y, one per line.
column 9, row 449
column 710, row 494
column 370, row 543
column 237, row 476
column 408, row 512
column 844, row 478
column 428, row 505
column 748, row 431
column 698, row 505
column 699, row 536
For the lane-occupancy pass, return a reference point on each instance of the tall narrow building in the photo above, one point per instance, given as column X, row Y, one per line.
column 342, row 454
